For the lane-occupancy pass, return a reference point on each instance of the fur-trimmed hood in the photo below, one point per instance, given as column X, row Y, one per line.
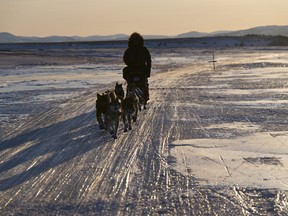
column 136, row 40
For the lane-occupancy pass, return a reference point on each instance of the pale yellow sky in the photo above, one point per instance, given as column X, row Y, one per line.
column 164, row 17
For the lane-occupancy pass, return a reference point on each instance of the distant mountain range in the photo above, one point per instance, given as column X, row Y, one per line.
column 260, row 30
column 272, row 30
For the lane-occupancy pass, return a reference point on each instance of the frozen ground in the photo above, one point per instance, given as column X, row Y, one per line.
column 210, row 143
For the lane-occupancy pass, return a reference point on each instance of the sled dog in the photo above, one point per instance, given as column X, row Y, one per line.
column 131, row 87
column 113, row 114
column 130, row 106
column 101, row 106
column 119, row 91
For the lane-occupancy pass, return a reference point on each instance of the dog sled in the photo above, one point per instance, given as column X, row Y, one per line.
column 138, row 81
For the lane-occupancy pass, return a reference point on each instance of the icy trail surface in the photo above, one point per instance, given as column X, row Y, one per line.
column 210, row 142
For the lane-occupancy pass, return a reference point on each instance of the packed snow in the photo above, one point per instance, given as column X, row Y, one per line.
column 212, row 142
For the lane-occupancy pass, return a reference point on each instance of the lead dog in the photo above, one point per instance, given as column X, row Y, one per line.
column 101, row 106
column 114, row 111
column 130, row 106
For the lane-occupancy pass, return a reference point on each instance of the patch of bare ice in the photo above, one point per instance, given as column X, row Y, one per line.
column 259, row 160
column 234, row 125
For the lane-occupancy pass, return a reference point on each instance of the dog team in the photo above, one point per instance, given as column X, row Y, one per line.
column 112, row 106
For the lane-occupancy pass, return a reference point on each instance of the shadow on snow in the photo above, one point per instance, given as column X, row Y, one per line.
column 63, row 140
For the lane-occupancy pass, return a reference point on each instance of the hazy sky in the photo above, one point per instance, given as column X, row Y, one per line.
column 165, row 17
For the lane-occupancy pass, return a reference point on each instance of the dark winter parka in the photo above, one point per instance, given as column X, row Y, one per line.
column 137, row 57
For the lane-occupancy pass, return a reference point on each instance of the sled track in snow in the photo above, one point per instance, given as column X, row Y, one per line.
column 61, row 163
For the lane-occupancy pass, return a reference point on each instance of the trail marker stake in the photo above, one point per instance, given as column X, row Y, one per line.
column 213, row 61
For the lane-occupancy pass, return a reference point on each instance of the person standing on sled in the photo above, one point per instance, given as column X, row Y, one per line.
column 138, row 60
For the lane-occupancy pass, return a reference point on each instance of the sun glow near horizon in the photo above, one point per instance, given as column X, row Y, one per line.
column 169, row 17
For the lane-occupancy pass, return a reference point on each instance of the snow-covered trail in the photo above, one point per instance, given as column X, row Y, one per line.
column 61, row 163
